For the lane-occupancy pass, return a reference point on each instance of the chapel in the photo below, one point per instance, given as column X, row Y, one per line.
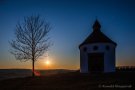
column 97, row 52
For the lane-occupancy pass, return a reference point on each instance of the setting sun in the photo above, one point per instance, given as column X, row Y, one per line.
column 47, row 62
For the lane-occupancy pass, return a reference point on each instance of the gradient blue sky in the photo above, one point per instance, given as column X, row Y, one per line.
column 71, row 22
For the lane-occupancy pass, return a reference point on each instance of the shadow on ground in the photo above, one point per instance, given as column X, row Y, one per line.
column 71, row 81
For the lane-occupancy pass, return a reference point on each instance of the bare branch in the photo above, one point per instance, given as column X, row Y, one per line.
column 31, row 39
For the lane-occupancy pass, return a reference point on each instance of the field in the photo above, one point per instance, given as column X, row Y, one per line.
column 71, row 81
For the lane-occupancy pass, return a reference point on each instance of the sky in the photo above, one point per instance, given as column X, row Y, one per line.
column 71, row 22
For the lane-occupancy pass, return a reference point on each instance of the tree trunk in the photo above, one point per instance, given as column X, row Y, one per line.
column 33, row 70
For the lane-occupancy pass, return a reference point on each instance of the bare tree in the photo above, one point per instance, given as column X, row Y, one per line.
column 31, row 39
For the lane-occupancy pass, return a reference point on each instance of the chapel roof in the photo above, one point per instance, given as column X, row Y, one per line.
column 97, row 36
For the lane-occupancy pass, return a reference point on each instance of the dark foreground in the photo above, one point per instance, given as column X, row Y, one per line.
column 72, row 81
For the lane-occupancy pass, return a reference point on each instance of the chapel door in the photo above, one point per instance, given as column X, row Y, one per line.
column 96, row 62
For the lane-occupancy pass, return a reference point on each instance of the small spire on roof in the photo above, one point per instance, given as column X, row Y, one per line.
column 96, row 25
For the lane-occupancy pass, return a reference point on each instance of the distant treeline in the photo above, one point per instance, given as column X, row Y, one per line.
column 125, row 68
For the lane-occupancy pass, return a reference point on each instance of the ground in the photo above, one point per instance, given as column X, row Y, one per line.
column 71, row 81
